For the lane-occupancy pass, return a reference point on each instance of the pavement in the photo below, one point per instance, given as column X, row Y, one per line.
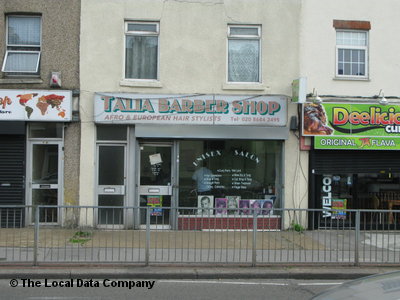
column 189, row 272
column 95, row 257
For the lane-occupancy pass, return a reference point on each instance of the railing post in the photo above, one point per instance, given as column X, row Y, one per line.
column 147, row 250
column 357, row 239
column 36, row 237
column 254, row 249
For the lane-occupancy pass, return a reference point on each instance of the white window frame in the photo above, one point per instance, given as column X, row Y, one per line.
column 257, row 37
column 351, row 47
column 143, row 33
column 16, row 48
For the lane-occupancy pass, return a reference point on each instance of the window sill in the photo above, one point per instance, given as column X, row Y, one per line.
column 351, row 79
column 244, row 86
column 141, row 83
column 21, row 81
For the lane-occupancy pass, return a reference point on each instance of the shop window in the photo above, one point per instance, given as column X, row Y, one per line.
column 365, row 191
column 229, row 173
column 351, row 48
column 23, row 43
column 141, row 50
column 111, row 133
column 244, row 53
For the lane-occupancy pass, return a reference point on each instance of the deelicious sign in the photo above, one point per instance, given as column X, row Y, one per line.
column 191, row 109
column 352, row 126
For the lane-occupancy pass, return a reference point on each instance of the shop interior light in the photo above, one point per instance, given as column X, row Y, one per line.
column 382, row 100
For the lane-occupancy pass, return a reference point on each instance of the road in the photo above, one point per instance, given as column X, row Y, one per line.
column 163, row 289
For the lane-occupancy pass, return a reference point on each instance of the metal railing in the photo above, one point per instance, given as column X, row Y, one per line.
column 146, row 235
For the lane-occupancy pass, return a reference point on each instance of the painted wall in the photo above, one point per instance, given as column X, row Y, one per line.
column 318, row 39
column 193, row 41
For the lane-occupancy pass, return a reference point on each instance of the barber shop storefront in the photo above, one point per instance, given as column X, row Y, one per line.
column 212, row 156
column 354, row 163
column 31, row 152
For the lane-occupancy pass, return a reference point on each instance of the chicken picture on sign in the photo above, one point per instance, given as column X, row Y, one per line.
column 351, row 119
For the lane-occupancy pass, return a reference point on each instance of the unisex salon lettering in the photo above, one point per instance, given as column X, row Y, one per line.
column 238, row 153
column 201, row 109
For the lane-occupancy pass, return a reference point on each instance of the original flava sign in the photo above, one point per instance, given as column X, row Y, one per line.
column 352, row 126
column 191, row 110
column 35, row 105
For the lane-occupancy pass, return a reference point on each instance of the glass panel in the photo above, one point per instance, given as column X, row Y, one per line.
column 350, row 38
column 23, row 30
column 355, row 55
column 45, row 164
column 21, row 62
column 347, row 55
column 341, row 55
column 355, row 69
column 45, row 197
column 141, row 55
column 45, row 130
column 111, row 216
column 111, row 165
column 362, row 69
column 233, row 172
column 155, row 165
column 111, row 133
column 347, row 69
column 243, row 61
column 142, row 27
column 244, row 31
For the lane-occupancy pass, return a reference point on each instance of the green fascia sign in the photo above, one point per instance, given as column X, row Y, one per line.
column 356, row 143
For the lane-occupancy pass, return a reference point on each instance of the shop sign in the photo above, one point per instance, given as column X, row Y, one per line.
column 339, row 207
column 35, row 105
column 191, row 110
column 352, row 126
column 339, row 119
column 155, row 202
column 299, row 87
column 356, row 143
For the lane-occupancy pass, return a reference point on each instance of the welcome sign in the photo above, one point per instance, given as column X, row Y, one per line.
column 352, row 126
column 191, row 109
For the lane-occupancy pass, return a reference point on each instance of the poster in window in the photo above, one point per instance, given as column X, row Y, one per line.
column 156, row 203
column 266, row 207
column 233, row 204
column 205, row 204
column 220, row 206
column 339, row 207
column 255, row 206
column 244, row 207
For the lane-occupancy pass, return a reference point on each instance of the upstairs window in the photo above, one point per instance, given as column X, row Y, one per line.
column 352, row 49
column 244, row 53
column 141, row 50
column 351, row 53
column 23, row 44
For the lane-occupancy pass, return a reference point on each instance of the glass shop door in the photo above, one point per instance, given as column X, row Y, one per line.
column 155, row 183
column 45, row 178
